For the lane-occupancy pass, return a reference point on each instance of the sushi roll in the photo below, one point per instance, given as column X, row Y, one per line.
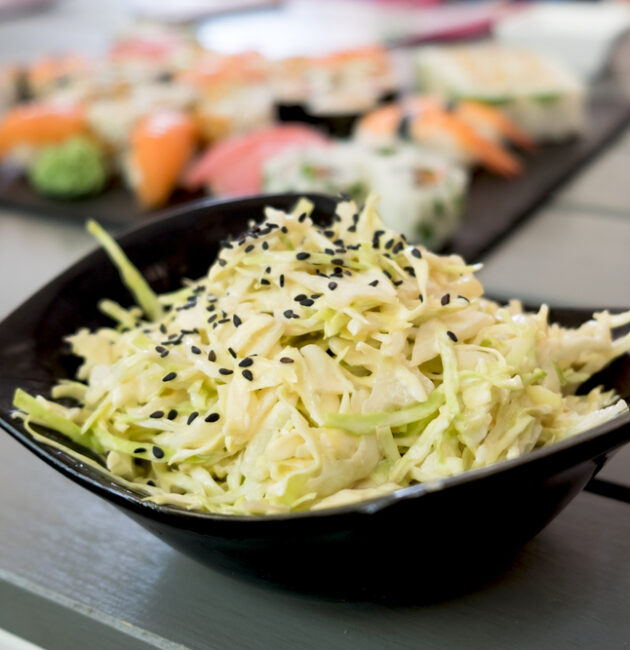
column 540, row 96
column 161, row 145
column 334, row 169
column 422, row 194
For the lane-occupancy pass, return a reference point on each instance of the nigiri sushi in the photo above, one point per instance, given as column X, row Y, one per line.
column 162, row 143
column 233, row 167
column 34, row 125
column 471, row 138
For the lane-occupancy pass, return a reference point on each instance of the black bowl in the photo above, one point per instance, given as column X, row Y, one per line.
column 421, row 542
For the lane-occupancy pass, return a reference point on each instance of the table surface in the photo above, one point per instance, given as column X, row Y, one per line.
column 76, row 573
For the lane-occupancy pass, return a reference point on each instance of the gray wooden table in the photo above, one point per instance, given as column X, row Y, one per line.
column 77, row 574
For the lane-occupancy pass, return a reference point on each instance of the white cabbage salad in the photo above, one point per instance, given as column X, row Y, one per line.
column 318, row 366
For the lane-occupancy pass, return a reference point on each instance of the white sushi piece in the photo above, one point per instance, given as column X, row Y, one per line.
column 332, row 169
column 422, row 194
column 540, row 95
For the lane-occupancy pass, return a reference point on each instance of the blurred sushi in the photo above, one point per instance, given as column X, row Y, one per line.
column 234, row 95
column 333, row 91
column 539, row 95
column 469, row 133
column 27, row 127
column 233, row 167
column 162, row 143
column 422, row 193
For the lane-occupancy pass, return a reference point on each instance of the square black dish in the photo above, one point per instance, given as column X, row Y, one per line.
column 420, row 542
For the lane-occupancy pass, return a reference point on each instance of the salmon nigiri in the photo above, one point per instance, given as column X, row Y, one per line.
column 35, row 125
column 161, row 145
column 234, row 166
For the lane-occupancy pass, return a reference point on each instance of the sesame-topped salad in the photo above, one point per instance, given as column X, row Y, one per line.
column 317, row 366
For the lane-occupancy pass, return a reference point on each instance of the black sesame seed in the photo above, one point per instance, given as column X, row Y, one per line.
column 399, row 246
column 397, row 283
column 164, row 354
column 355, row 217
column 416, row 253
column 330, row 353
column 249, row 249
column 303, row 255
column 286, row 360
column 192, row 417
column 151, row 483
column 387, row 273
column 445, row 299
column 306, row 303
column 265, row 245
column 337, row 261
column 172, row 414
column 268, row 269
column 139, row 450
column 221, row 261
column 410, row 270
column 329, row 251
column 284, row 230
column 338, row 242
column 248, row 375
column 300, row 297
column 224, row 320
column 389, row 244
column 212, row 318
column 232, row 353
column 288, row 313
column 170, row 376
column 212, row 355
column 159, row 348
column 451, row 335
column 264, row 281
column 302, row 217
column 329, row 233
column 332, row 286
column 236, row 320
column 213, row 417
column 282, row 280
column 163, row 328
column 211, row 307
column 245, row 363
column 373, row 283
column 352, row 228
column 156, row 415
column 157, row 452
column 195, row 350
column 225, row 371
column 420, row 297
column 315, row 296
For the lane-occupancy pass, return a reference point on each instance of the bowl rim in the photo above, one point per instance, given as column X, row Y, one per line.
column 129, row 499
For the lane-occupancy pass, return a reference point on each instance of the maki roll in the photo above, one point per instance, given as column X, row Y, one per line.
column 539, row 95
column 331, row 169
column 422, row 194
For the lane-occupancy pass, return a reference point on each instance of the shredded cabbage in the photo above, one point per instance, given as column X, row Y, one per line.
column 315, row 366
